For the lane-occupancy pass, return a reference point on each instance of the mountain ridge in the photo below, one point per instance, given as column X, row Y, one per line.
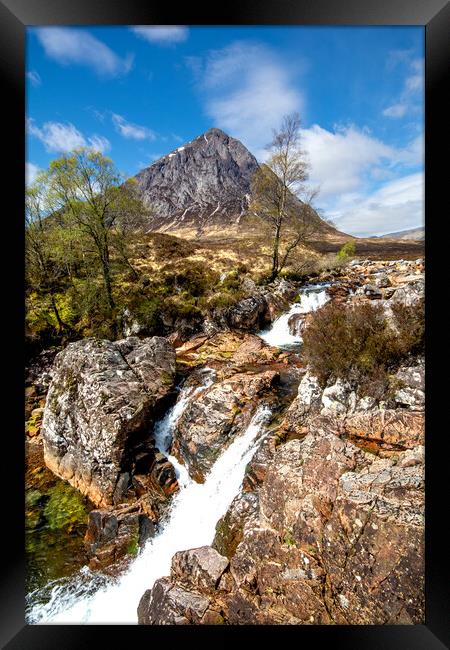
column 416, row 234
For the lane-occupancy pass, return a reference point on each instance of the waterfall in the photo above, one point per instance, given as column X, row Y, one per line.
column 90, row 597
column 312, row 297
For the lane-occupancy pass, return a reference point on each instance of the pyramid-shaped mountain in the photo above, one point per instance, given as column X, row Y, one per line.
column 204, row 183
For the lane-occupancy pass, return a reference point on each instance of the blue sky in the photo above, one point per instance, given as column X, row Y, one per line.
column 137, row 93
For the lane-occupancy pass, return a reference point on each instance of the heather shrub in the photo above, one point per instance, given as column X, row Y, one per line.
column 358, row 343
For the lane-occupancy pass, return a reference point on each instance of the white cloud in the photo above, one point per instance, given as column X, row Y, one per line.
column 34, row 77
column 411, row 96
column 246, row 90
column 347, row 163
column 398, row 205
column 62, row 138
column 396, row 110
column 74, row 46
column 129, row 130
column 162, row 34
column 340, row 160
column 31, row 171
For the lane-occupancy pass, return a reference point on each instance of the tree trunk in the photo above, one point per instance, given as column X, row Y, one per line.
column 107, row 282
column 61, row 324
column 276, row 247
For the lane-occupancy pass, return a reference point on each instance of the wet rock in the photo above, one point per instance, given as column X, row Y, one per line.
column 247, row 314
column 330, row 535
column 113, row 534
column 296, row 324
column 211, row 420
column 255, row 472
column 230, row 527
column 101, row 402
column 167, row 604
column 233, row 348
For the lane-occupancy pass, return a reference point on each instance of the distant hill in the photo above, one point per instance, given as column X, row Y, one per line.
column 417, row 234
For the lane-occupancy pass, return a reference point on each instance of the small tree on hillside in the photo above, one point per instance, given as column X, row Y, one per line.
column 275, row 184
column 91, row 193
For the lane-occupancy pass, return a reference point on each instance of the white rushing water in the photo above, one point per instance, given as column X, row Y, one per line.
column 312, row 297
column 191, row 522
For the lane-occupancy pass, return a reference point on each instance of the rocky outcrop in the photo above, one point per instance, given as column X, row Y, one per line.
column 336, row 537
column 329, row 526
column 234, row 348
column 216, row 416
column 100, row 405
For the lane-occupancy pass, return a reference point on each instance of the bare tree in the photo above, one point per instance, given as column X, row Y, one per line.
column 276, row 188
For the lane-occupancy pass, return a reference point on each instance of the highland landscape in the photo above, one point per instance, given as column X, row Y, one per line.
column 224, row 390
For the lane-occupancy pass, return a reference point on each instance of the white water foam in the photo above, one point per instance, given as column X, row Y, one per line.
column 191, row 523
column 312, row 297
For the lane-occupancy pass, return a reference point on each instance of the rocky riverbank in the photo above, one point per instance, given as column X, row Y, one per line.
column 328, row 525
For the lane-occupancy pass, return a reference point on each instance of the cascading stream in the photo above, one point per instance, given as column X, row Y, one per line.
column 312, row 297
column 191, row 522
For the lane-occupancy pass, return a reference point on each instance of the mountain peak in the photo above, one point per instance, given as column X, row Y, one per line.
column 214, row 131
column 206, row 181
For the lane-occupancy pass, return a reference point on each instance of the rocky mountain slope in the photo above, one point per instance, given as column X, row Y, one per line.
column 202, row 184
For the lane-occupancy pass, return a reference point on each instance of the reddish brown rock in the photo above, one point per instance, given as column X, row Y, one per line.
column 212, row 419
column 390, row 429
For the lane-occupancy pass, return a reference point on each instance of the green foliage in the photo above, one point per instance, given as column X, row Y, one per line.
column 65, row 508
column 133, row 546
column 148, row 313
column 231, row 282
column 288, row 538
column 358, row 344
column 223, row 299
column 346, row 252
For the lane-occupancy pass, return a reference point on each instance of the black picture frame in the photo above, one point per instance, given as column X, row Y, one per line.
column 15, row 16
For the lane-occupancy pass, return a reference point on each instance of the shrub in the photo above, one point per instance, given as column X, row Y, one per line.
column 358, row 343
column 223, row 299
column 347, row 251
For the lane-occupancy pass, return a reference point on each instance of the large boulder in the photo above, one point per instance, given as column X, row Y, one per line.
column 101, row 403
column 248, row 314
column 373, row 544
column 211, row 420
